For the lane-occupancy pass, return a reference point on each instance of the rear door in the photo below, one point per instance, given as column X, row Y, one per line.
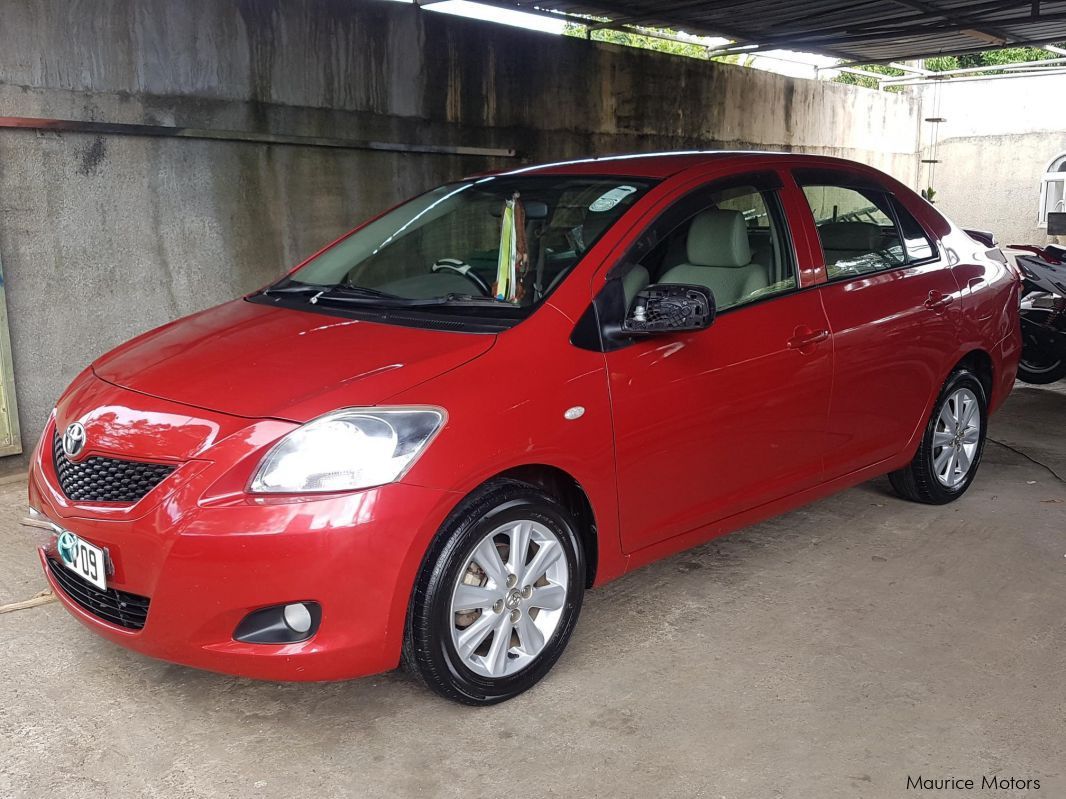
column 712, row 423
column 893, row 306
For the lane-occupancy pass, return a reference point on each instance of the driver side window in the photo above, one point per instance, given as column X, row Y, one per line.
column 733, row 242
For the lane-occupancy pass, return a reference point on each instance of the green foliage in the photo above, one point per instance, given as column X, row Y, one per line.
column 870, row 83
column 992, row 58
column 636, row 39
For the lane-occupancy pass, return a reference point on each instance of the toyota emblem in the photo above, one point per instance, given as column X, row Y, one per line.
column 73, row 440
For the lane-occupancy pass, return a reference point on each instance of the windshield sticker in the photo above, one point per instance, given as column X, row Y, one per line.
column 609, row 200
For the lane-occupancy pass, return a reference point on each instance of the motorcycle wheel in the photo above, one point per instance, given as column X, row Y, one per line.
column 1037, row 367
column 1040, row 374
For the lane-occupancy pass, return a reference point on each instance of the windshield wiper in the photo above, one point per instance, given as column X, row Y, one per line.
column 317, row 292
column 295, row 288
column 465, row 298
column 354, row 293
column 359, row 295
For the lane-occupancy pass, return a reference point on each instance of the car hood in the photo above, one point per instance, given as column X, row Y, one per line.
column 247, row 359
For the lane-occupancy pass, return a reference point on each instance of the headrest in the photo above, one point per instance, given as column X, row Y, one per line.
column 859, row 236
column 719, row 238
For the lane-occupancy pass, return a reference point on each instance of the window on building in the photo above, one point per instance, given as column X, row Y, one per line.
column 1053, row 189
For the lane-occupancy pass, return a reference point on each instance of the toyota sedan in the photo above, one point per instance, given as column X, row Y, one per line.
column 423, row 444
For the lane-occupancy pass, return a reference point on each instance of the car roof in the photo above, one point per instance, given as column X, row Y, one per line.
column 665, row 164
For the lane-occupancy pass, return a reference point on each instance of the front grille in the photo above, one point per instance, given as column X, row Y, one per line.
column 100, row 479
column 118, row 607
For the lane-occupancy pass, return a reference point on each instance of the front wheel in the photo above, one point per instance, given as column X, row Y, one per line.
column 498, row 596
column 951, row 448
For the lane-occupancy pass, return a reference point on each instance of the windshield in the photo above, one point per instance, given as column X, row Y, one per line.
column 497, row 244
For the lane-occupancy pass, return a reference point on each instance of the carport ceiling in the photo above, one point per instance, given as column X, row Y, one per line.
column 859, row 31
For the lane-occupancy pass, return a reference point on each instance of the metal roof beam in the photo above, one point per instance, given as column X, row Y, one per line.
column 659, row 13
column 858, row 32
column 952, row 15
column 947, row 73
column 830, row 32
column 918, row 30
column 918, row 81
column 909, row 68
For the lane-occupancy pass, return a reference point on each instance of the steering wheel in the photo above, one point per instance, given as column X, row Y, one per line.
column 456, row 266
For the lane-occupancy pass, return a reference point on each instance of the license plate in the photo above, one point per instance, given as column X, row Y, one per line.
column 82, row 558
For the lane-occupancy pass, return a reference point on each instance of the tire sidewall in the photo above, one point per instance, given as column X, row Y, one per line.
column 1042, row 377
column 962, row 378
column 457, row 542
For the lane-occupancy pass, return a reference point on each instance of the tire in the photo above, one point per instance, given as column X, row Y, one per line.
column 1040, row 371
column 456, row 649
column 935, row 476
column 1036, row 367
column 1042, row 374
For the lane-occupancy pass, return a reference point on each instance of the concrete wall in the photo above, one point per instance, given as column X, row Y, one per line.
column 102, row 237
column 999, row 137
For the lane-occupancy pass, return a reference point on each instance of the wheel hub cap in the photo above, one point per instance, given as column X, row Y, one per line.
column 514, row 600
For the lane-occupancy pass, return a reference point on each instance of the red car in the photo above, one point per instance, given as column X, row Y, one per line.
column 424, row 443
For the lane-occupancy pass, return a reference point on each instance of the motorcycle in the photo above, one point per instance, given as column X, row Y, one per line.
column 1043, row 313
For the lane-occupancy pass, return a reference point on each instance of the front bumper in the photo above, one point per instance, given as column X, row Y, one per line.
column 205, row 564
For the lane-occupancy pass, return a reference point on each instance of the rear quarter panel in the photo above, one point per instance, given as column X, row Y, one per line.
column 991, row 297
column 990, row 294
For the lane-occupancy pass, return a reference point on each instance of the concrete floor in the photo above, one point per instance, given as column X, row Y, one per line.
column 831, row 652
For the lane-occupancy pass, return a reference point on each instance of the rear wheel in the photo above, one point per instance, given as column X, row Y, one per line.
column 498, row 596
column 951, row 448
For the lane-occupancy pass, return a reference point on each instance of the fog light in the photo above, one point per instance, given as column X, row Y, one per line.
column 280, row 624
column 297, row 617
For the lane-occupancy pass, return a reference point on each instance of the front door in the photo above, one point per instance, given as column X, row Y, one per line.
column 712, row 423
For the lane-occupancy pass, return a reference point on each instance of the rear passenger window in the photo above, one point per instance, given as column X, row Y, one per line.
column 856, row 228
column 915, row 242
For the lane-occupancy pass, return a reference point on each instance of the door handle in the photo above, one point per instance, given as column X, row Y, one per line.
column 937, row 302
column 974, row 282
column 803, row 337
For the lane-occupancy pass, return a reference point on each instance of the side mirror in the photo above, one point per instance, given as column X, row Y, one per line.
column 669, row 308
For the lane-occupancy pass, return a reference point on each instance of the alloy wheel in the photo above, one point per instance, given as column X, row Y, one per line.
column 508, row 599
column 956, row 437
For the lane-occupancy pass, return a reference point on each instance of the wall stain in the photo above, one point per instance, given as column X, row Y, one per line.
column 92, row 156
column 789, row 104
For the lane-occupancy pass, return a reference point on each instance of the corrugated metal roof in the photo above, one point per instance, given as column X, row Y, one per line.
column 862, row 31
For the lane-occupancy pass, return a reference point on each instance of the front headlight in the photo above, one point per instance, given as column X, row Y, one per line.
column 347, row 449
